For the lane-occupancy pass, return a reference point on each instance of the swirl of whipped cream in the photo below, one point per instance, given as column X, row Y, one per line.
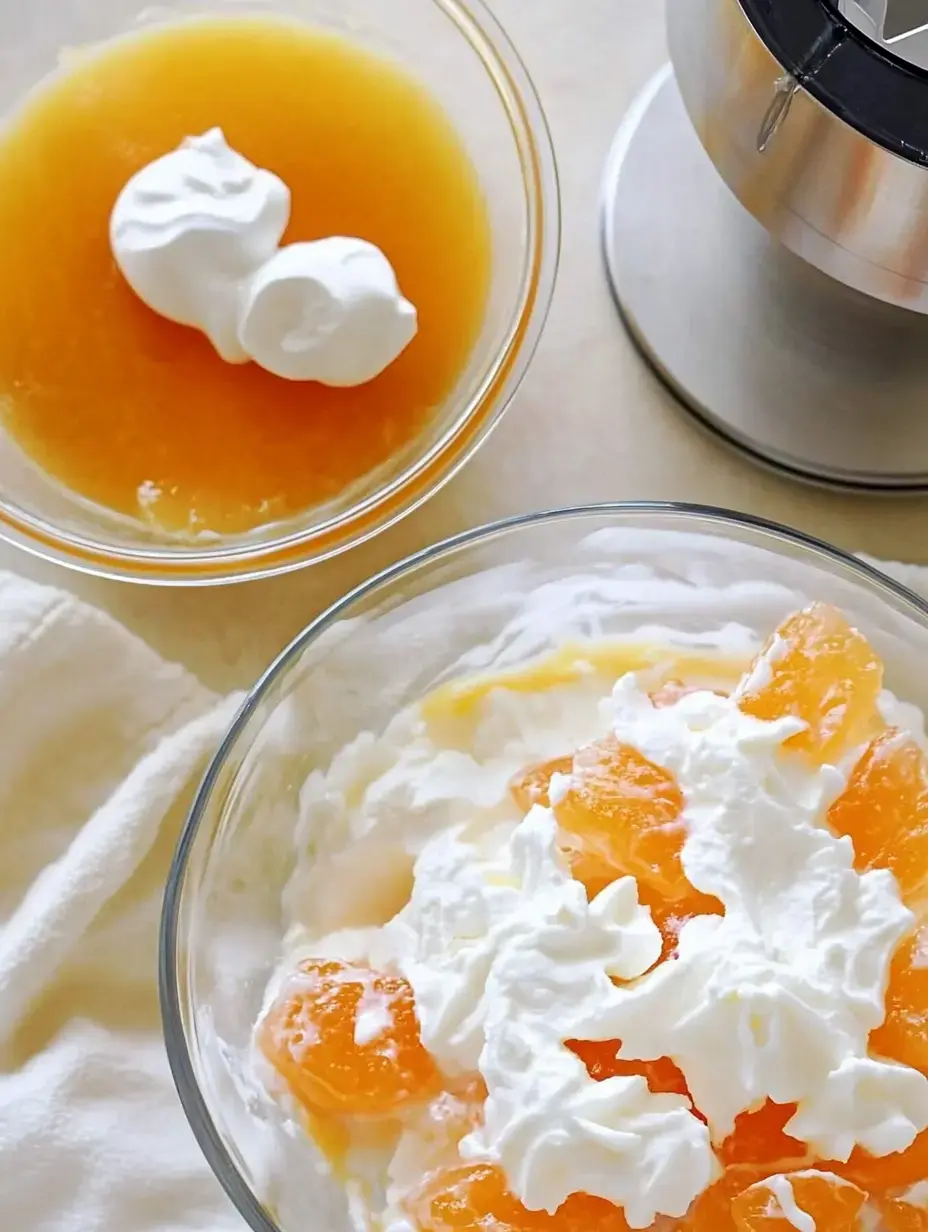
column 328, row 311
column 197, row 234
column 190, row 227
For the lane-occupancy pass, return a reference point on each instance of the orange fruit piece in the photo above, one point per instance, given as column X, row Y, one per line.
column 532, row 785
column 760, row 1137
column 670, row 917
column 817, row 668
column 475, row 1198
column 883, row 1174
column 757, row 1148
column 597, row 864
column 901, row 1216
column 346, row 1040
column 833, row 1204
column 602, row 1061
column 609, row 836
column 625, row 811
column 904, row 1034
column 711, row 1212
column 884, row 809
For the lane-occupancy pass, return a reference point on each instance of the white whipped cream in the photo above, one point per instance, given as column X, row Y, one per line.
column 328, row 311
column 197, row 234
column 189, row 228
column 777, row 998
column 506, row 957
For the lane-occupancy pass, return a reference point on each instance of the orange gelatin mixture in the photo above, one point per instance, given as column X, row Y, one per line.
column 309, row 1036
column 141, row 415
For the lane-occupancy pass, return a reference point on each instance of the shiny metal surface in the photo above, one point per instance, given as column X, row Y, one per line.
column 845, row 204
column 797, row 370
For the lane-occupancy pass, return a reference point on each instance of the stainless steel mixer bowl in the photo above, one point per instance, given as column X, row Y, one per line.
column 849, row 196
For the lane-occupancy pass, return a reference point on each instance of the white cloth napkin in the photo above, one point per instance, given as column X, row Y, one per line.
column 101, row 745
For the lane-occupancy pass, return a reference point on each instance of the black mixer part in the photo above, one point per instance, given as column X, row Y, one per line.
column 863, row 82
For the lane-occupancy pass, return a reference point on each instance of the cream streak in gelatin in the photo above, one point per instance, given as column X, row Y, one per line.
column 507, row 959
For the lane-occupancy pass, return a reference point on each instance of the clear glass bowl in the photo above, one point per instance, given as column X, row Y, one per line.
column 459, row 51
column 495, row 597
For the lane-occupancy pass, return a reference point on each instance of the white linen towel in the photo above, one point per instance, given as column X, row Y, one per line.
column 101, row 745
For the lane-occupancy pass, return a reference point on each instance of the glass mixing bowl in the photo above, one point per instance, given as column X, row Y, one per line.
column 459, row 51
column 493, row 598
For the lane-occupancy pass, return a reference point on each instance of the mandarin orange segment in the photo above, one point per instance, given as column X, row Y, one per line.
column 346, row 1040
column 671, row 917
column 883, row 1174
column 477, row 1197
column 625, row 812
column 532, row 785
column 760, row 1137
column 711, row 1212
column 602, row 1061
column 831, row 1203
column 819, row 669
column 884, row 809
column 900, row 1215
column 904, row 1034
column 620, row 817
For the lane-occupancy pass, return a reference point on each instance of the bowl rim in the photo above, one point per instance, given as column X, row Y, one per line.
column 423, row 476
column 191, row 1097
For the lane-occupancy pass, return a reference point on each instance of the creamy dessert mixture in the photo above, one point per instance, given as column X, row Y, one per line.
column 633, row 937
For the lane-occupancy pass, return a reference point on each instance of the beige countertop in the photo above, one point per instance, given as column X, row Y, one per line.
column 590, row 423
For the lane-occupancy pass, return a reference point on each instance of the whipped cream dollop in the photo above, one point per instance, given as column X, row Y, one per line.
column 197, row 236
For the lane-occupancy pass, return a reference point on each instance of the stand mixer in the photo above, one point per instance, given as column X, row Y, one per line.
column 765, row 228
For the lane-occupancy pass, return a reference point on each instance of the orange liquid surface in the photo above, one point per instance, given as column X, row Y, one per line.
column 141, row 415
